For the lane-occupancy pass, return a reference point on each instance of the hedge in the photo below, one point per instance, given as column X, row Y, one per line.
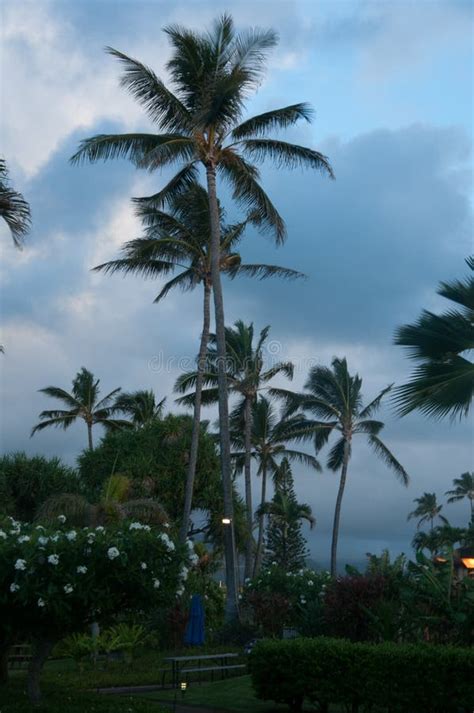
column 400, row 678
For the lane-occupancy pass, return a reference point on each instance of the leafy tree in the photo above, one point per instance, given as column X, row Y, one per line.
column 179, row 240
column 115, row 503
column 269, row 447
column 55, row 581
column 333, row 398
column 155, row 459
column 443, row 382
column 427, row 510
column 463, row 488
column 140, row 406
column 284, row 542
column 14, row 209
column 246, row 377
column 27, row 481
column 212, row 74
column 84, row 403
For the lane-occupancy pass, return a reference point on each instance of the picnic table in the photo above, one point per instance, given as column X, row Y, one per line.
column 182, row 666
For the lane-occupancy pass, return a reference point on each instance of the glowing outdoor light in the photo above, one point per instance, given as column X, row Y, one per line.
column 467, row 557
column 184, row 686
column 226, row 520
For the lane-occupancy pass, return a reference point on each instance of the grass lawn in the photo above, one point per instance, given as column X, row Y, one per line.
column 232, row 694
column 65, row 700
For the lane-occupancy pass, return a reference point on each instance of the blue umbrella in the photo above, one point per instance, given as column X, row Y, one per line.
column 194, row 634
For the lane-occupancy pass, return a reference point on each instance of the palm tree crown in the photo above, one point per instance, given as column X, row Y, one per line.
column 427, row 509
column 333, row 400
column 211, row 76
column 443, row 382
column 463, row 488
column 83, row 402
column 14, row 209
column 140, row 406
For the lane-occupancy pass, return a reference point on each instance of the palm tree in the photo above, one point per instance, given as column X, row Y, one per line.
column 443, row 382
column 246, row 377
column 268, row 450
column 140, row 406
column 83, row 402
column 427, row 510
column 334, row 400
column 14, row 209
column 180, row 240
column 463, row 488
column 212, row 74
column 114, row 504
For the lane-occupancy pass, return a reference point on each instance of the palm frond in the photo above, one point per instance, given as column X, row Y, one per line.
column 161, row 105
column 336, row 454
column 14, row 209
column 374, row 405
column 263, row 272
column 387, row 456
column 276, row 119
column 243, row 178
column 186, row 280
column 58, row 421
column 111, row 146
column 285, row 155
column 181, row 182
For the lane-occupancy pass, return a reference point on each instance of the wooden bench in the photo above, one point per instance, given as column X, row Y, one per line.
column 19, row 655
column 211, row 669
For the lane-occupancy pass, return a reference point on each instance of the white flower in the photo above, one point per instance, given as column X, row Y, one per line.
column 144, row 565
column 3, row 534
column 302, row 600
column 91, row 538
column 310, row 582
column 190, row 544
column 82, row 569
column 62, row 519
column 183, row 572
column 43, row 540
column 112, row 553
column 166, row 524
column 53, row 559
column 39, row 527
column 68, row 588
column 135, row 526
column 99, row 528
column 41, row 602
column 180, row 592
column 14, row 587
column 156, row 583
column 20, row 564
column 194, row 558
column 71, row 536
column 55, row 538
column 23, row 538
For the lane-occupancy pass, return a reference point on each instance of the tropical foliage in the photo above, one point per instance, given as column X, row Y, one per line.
column 333, row 399
column 443, row 382
column 200, row 123
column 14, row 209
column 427, row 510
column 83, row 402
column 463, row 489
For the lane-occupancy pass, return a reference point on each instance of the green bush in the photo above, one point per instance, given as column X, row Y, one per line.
column 26, row 482
column 402, row 678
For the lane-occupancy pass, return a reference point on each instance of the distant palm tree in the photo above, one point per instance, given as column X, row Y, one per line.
column 427, row 510
column 334, row 400
column 246, row 377
column 180, row 240
column 443, row 382
column 463, row 488
column 14, row 209
column 213, row 74
column 269, row 448
column 83, row 402
column 140, row 406
column 113, row 505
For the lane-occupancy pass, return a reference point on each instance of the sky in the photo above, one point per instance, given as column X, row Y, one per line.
column 391, row 84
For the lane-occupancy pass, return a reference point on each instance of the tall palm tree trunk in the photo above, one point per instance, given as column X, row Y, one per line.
column 248, row 486
column 337, row 511
column 231, row 606
column 89, row 436
column 261, row 522
column 188, row 496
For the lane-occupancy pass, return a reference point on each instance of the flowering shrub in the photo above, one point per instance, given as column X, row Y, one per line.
column 53, row 581
column 289, row 594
